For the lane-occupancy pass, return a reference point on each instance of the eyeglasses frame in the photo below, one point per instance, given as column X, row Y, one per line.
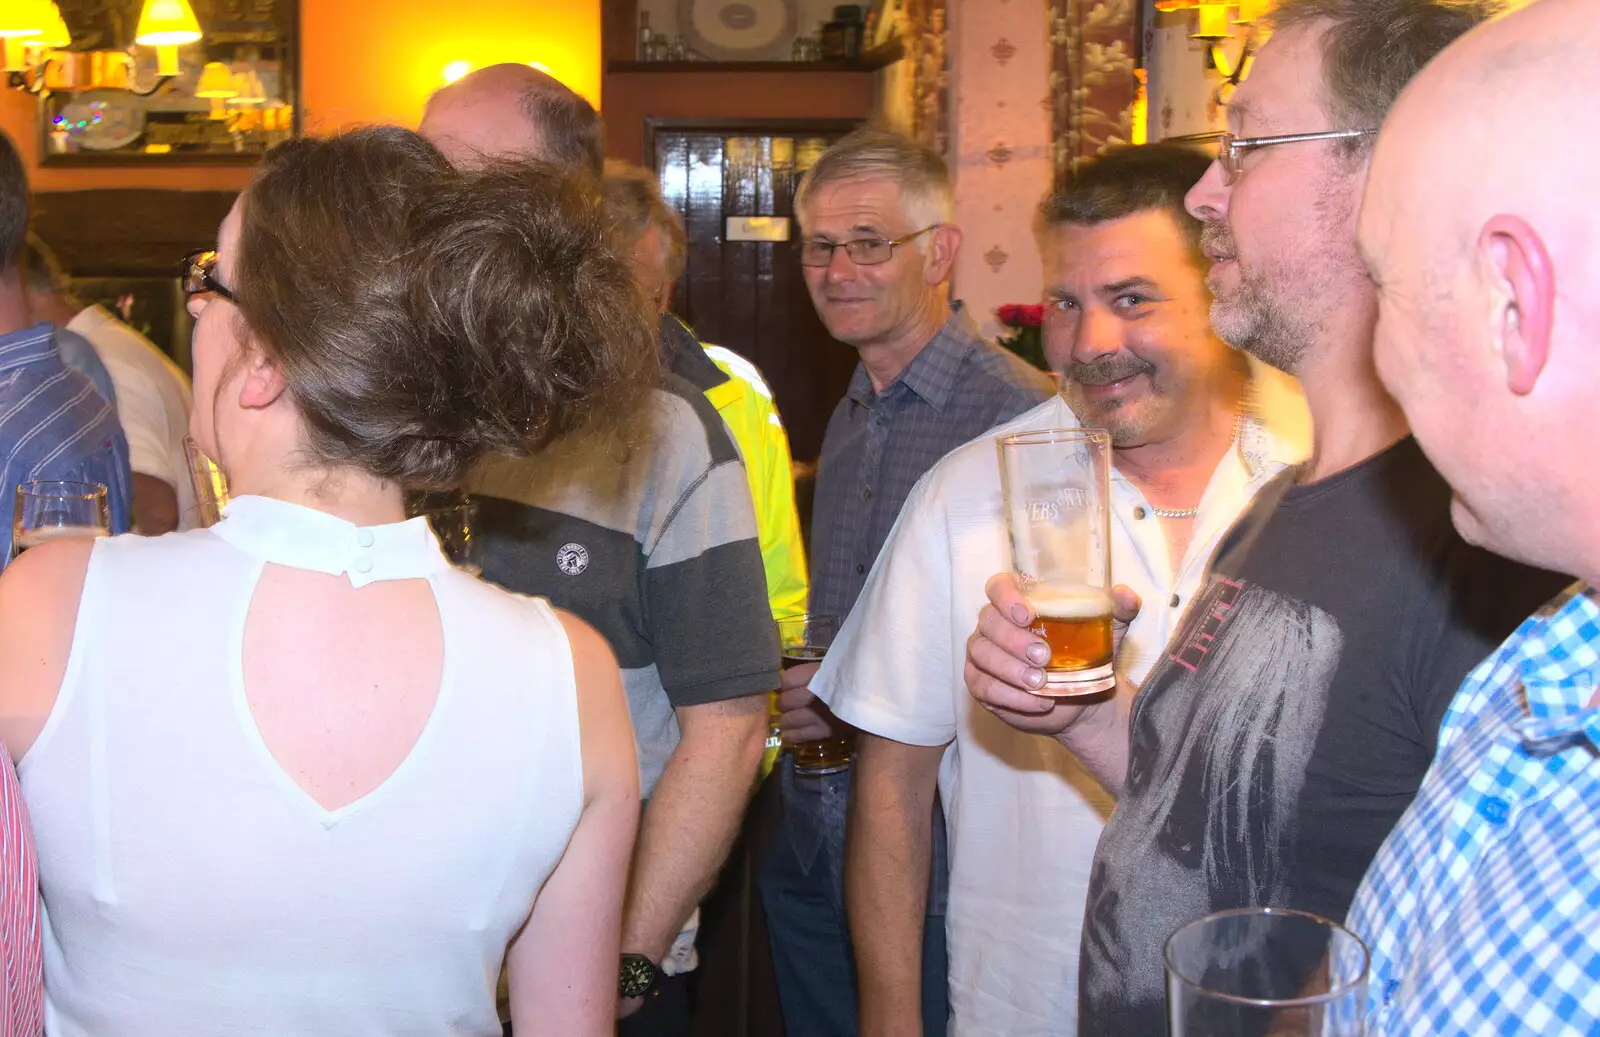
column 1231, row 149
column 833, row 246
column 197, row 277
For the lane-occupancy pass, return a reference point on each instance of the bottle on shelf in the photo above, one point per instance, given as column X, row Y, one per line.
column 841, row 38
column 646, row 38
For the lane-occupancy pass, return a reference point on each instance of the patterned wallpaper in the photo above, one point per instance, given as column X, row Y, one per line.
column 1183, row 85
column 1095, row 48
column 1014, row 92
column 999, row 149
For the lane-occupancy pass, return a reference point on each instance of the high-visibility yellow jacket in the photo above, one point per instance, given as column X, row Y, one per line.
column 736, row 389
column 745, row 403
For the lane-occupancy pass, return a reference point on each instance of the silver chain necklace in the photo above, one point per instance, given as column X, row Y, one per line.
column 1183, row 513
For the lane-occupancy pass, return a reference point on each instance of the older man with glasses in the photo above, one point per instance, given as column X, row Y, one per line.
column 878, row 244
column 1297, row 708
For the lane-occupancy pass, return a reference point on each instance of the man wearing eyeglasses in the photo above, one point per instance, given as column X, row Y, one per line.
column 1190, row 420
column 878, row 244
column 1297, row 707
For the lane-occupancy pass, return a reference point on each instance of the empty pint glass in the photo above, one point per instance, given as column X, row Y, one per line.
column 1057, row 486
column 1265, row 971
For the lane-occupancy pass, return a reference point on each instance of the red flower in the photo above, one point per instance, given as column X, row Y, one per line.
column 1019, row 315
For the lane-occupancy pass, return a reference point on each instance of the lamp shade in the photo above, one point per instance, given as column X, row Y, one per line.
column 167, row 23
column 247, row 87
column 216, row 80
column 1251, row 11
column 56, row 33
column 1211, row 22
column 26, row 19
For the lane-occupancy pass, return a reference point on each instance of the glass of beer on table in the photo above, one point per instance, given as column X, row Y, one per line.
column 805, row 639
column 48, row 511
column 1057, row 489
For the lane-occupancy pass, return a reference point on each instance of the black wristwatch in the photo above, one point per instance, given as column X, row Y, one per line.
column 639, row 976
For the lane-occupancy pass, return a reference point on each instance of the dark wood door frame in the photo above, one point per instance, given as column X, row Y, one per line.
column 654, row 124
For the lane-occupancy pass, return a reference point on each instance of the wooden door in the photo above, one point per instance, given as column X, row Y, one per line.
column 749, row 295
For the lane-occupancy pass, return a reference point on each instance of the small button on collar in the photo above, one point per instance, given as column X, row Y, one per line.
column 1139, row 513
column 363, row 564
column 364, row 537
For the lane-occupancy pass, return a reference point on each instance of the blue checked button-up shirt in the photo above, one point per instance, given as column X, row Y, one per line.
column 1482, row 910
column 54, row 425
column 879, row 444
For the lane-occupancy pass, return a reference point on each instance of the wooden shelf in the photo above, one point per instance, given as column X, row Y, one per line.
column 872, row 60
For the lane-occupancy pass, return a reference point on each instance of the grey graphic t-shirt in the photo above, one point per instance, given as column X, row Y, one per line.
column 1293, row 717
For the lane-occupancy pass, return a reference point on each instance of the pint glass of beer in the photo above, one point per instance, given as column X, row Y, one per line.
column 1057, row 486
column 805, row 639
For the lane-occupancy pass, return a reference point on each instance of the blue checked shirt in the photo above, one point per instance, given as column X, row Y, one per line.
column 1482, row 910
column 54, row 425
column 877, row 446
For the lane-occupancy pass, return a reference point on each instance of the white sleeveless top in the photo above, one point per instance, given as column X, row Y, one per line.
column 191, row 887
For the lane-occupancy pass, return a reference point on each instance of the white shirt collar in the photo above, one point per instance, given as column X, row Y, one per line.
column 1274, row 429
column 288, row 534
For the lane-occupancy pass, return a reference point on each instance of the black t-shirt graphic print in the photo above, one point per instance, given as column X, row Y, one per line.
column 1292, row 717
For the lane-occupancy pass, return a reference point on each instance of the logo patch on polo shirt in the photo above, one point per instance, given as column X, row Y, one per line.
column 572, row 559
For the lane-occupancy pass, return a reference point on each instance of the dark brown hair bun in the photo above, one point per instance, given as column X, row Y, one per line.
column 425, row 317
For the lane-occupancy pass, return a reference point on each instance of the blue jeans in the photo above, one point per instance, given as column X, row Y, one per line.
column 802, row 890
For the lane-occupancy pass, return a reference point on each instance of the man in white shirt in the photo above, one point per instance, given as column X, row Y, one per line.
column 153, row 400
column 1195, row 431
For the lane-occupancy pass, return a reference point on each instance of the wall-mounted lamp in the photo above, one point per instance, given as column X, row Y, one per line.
column 35, row 39
column 30, row 29
column 1213, row 25
column 216, row 85
column 167, row 25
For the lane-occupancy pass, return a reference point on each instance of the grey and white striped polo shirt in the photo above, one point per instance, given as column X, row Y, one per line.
column 656, row 548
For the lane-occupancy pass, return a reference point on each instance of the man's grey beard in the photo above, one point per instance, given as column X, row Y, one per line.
column 1253, row 321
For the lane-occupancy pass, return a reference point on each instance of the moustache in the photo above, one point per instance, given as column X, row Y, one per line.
column 1217, row 241
column 1107, row 370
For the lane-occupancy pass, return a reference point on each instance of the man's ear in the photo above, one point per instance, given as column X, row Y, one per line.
column 1513, row 258
column 944, row 241
column 260, row 382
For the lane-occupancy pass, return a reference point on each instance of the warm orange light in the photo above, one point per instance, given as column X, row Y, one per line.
column 26, row 19
column 402, row 56
column 216, row 80
column 166, row 23
column 167, row 60
column 1251, row 11
column 55, row 32
column 16, row 54
column 1139, row 117
column 456, row 69
column 1211, row 22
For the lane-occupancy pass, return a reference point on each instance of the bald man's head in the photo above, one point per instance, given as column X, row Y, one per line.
column 1481, row 228
column 513, row 111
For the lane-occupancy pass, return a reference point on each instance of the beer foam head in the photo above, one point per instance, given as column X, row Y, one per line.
column 1070, row 602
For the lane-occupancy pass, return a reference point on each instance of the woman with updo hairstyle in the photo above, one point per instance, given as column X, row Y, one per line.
column 294, row 773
